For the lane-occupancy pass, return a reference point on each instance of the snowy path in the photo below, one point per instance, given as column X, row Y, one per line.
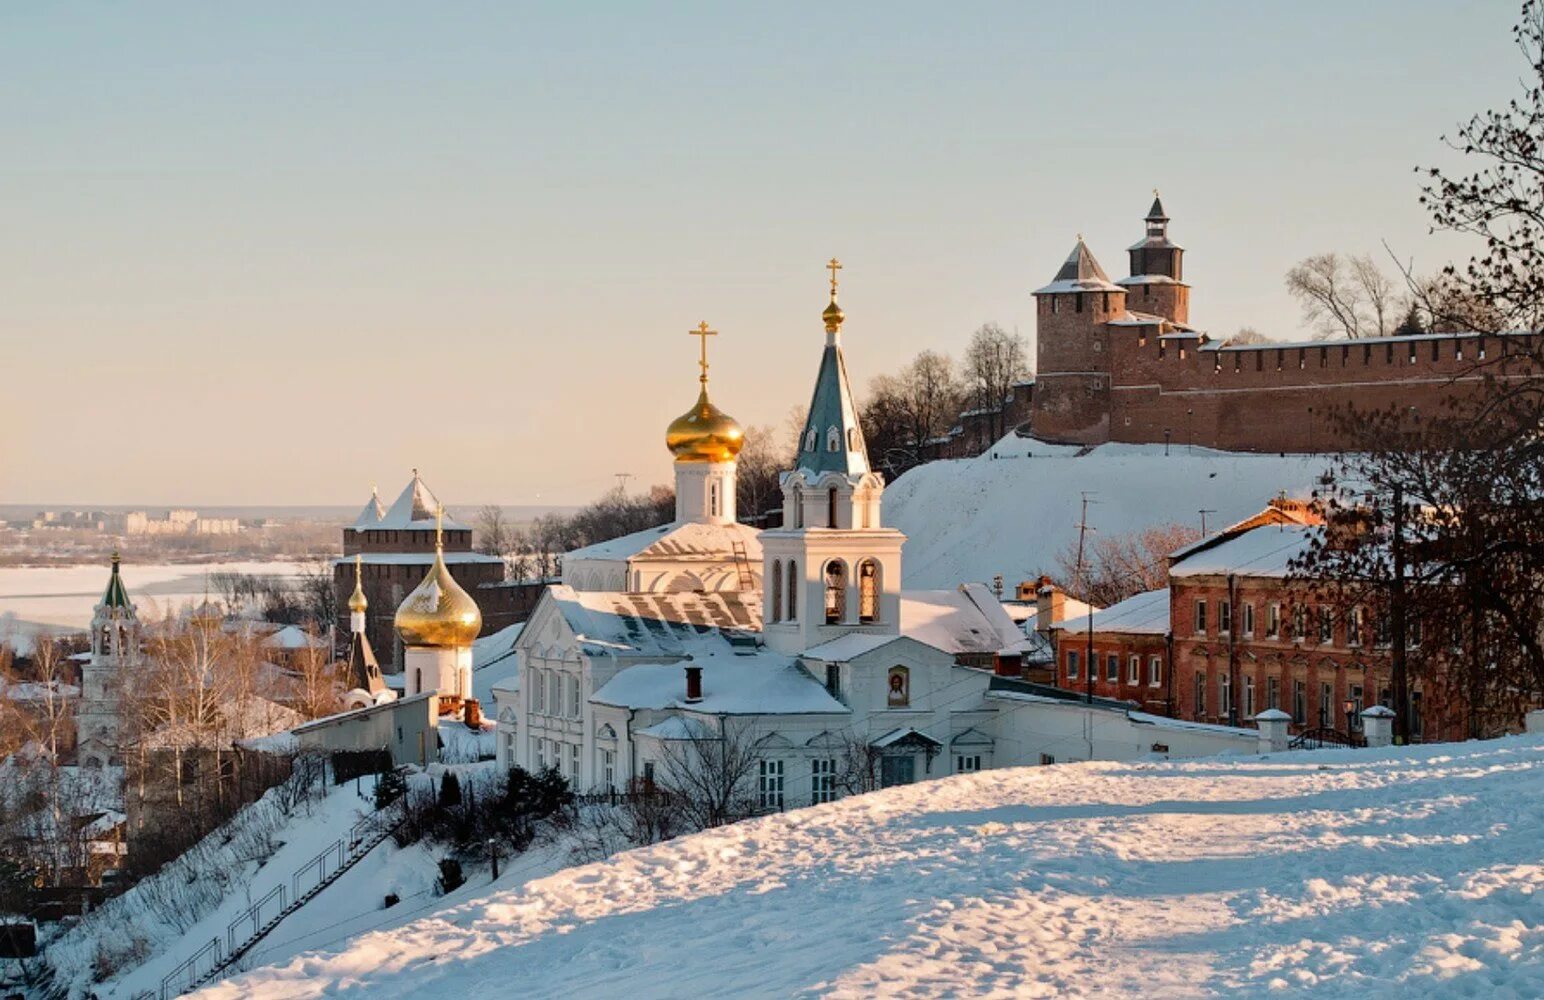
column 1332, row 874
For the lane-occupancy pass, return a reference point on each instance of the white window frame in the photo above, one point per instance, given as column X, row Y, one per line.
column 1134, row 668
column 1155, row 670
column 608, row 769
column 769, row 783
column 823, row 780
column 1200, row 616
column 1247, row 610
column 1072, row 664
column 967, row 763
column 1273, row 619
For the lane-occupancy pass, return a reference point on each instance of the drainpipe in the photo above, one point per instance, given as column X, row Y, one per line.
column 1233, row 611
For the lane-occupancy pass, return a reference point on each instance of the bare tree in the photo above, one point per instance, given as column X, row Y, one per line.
column 1345, row 296
column 1248, row 335
column 761, row 462
column 994, row 361
column 1121, row 566
column 496, row 536
column 710, row 770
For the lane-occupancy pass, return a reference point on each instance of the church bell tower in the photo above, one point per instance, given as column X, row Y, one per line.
column 832, row 568
column 115, row 647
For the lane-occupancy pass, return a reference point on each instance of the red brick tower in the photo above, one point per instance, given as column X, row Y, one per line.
column 1157, row 284
column 1072, row 351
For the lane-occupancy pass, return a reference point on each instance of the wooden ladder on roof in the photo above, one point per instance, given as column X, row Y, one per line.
column 742, row 563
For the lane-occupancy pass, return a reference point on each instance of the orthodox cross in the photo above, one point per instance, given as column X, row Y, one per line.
column 439, row 526
column 834, row 266
column 704, row 333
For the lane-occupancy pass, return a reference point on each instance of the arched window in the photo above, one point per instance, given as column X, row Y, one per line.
column 831, row 507
column 833, row 438
column 868, row 591
column 777, row 591
column 836, row 592
column 793, row 590
column 809, row 439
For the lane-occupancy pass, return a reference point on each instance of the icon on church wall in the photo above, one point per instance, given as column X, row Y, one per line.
column 900, row 688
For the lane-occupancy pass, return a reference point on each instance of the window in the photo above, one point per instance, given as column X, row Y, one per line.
column 1247, row 611
column 1299, row 623
column 1272, row 692
column 1112, row 668
column 833, row 439
column 1326, row 626
column 967, row 764
column 868, row 591
column 648, row 774
column 1200, row 695
column 573, row 764
column 1225, row 618
column 1412, row 629
column 1072, row 664
column 1354, row 627
column 1134, row 669
column 1299, row 702
column 608, row 769
column 1383, row 631
column 1046, row 759
column 541, row 755
column 538, row 690
column 713, row 498
column 1273, row 620
column 809, row 439
column 1154, row 670
column 823, row 780
column 418, row 680
column 1224, row 692
column 1200, row 617
column 1249, row 711
column 793, row 590
column 897, row 771
column 777, row 590
column 554, row 692
column 1355, row 721
column 573, row 697
column 770, row 784
column 836, row 592
column 834, row 679
column 1326, row 699
column 831, row 507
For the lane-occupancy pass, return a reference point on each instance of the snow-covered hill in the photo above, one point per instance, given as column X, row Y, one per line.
column 1013, row 509
column 1409, row 872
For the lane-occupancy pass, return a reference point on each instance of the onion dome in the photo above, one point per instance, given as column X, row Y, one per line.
column 438, row 612
column 704, row 433
column 357, row 602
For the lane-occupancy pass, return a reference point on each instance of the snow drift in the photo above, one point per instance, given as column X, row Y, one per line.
column 1325, row 873
column 1011, row 510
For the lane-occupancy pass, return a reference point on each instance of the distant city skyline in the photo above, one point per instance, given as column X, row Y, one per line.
column 270, row 256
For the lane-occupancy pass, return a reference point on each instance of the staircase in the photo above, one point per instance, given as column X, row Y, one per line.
column 213, row 959
column 742, row 563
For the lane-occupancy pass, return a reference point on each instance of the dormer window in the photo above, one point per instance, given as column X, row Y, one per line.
column 809, row 439
column 833, row 439
column 852, row 439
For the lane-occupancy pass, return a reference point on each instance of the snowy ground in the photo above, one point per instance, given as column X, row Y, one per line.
column 1324, row 874
column 1012, row 510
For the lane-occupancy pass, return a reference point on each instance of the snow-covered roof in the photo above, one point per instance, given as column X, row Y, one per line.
column 1404, row 338
column 1080, row 272
column 765, row 683
column 1143, row 614
column 967, row 619
column 1133, row 318
column 650, row 624
column 682, row 541
column 678, row 728
column 494, row 663
column 370, row 516
column 1147, row 279
column 1264, row 551
column 413, row 510
column 37, row 691
column 846, row 647
column 292, row 637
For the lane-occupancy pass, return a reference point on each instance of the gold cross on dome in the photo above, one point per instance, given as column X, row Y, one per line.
column 704, row 333
column 834, row 266
column 439, row 527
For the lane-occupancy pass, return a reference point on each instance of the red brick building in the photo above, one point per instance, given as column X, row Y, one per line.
column 1130, row 660
column 1119, row 361
column 1246, row 639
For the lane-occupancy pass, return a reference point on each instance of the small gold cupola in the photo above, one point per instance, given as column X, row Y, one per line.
column 438, row 612
column 357, row 603
column 832, row 314
column 704, row 433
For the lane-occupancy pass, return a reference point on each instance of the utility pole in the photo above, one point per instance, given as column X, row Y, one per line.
column 1397, row 619
column 1090, row 666
column 622, row 478
column 1203, row 512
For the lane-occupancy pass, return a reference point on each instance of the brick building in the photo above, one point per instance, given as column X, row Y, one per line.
column 1246, row 638
column 396, row 548
column 1130, row 652
column 1119, row 361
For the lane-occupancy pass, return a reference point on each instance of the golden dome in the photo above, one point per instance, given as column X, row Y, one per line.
column 357, row 602
column 704, row 433
column 833, row 316
column 438, row 612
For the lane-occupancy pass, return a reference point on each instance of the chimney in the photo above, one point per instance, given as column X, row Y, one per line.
column 473, row 713
column 693, row 683
column 1050, row 603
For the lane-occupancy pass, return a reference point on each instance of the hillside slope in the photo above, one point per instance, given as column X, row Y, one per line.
column 1013, row 509
column 1330, row 873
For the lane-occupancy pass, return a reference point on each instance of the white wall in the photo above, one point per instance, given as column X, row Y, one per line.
column 1070, row 731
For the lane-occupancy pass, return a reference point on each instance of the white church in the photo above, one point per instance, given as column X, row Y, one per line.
column 797, row 641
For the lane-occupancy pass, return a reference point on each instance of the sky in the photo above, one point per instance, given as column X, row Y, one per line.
column 274, row 253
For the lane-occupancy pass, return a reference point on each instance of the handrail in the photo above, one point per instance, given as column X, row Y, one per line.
column 320, row 864
column 189, row 968
column 254, row 914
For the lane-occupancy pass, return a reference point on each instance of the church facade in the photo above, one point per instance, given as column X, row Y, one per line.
column 1119, row 361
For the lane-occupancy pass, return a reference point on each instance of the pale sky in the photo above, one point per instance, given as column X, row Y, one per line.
column 271, row 253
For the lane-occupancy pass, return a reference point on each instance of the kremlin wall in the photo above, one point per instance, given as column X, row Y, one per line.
column 1118, row 361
